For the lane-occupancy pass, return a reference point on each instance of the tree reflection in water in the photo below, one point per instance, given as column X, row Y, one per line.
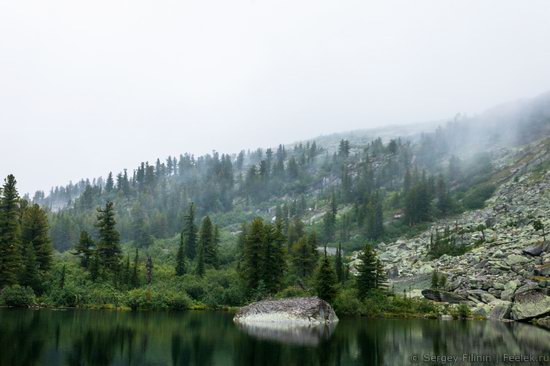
column 81, row 337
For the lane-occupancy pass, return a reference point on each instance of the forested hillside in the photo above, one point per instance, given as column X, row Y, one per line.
column 252, row 224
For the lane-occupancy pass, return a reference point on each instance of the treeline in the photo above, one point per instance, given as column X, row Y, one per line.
column 25, row 247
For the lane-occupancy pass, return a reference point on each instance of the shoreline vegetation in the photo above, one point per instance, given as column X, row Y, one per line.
column 220, row 232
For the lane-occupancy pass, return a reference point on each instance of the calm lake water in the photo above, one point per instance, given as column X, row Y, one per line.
column 82, row 337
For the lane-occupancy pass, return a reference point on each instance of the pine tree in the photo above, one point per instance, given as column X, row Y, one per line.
column 34, row 230
column 190, row 233
column 381, row 277
column 180, row 258
column 329, row 220
column 108, row 247
column 252, row 259
column 84, row 249
column 199, row 268
column 62, row 277
column 366, row 279
column 149, row 270
column 30, row 276
column 134, row 281
column 339, row 264
column 94, row 266
column 444, row 203
column 274, row 266
column 126, row 273
column 326, row 281
column 10, row 233
column 207, row 246
column 304, row 255
column 109, row 184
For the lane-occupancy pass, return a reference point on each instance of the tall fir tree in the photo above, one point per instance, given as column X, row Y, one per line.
column 134, row 280
column 180, row 258
column 252, row 258
column 190, row 233
column 366, row 278
column 10, row 233
column 274, row 266
column 339, row 265
column 207, row 245
column 84, row 249
column 381, row 277
column 34, row 230
column 108, row 246
column 304, row 255
column 30, row 276
column 326, row 281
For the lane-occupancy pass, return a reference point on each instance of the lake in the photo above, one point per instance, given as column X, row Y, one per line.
column 87, row 337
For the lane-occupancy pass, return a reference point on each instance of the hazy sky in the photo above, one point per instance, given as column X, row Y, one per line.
column 92, row 86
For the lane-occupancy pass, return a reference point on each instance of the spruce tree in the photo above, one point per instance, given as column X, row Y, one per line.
column 200, row 266
column 84, row 249
column 190, row 233
column 180, row 258
column 274, row 266
column 30, row 276
column 366, row 279
column 134, row 281
column 10, row 233
column 339, row 264
column 94, row 267
column 304, row 255
column 62, row 276
column 108, row 247
column 329, row 220
column 34, row 230
column 252, row 259
column 381, row 277
column 149, row 270
column 326, row 281
column 207, row 246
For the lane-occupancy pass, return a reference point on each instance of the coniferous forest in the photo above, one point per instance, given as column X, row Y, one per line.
column 221, row 230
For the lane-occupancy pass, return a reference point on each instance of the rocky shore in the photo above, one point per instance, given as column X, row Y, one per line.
column 505, row 273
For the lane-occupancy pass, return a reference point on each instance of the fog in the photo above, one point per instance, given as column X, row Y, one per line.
column 90, row 87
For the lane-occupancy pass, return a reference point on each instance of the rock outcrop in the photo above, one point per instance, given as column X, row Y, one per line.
column 298, row 311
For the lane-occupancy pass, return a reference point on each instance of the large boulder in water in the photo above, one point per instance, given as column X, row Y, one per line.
column 298, row 310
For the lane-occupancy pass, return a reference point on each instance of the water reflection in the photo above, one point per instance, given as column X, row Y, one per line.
column 195, row 338
column 286, row 333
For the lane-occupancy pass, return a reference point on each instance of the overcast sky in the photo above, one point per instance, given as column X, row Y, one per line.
column 92, row 86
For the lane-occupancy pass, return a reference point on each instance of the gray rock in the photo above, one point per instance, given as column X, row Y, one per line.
column 500, row 310
column 442, row 296
column 530, row 304
column 509, row 290
column 514, row 259
column 535, row 249
column 543, row 270
column 298, row 310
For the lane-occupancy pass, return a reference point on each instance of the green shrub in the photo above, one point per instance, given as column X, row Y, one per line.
column 104, row 295
column 18, row 296
column 68, row 296
column 475, row 197
column 155, row 299
column 178, row 301
column 139, row 298
column 461, row 311
column 346, row 302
